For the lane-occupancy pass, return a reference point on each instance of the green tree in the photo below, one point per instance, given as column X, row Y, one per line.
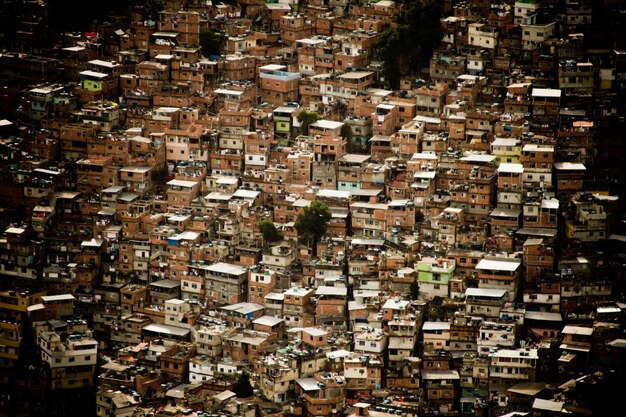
column 269, row 231
column 307, row 118
column 435, row 311
column 415, row 289
column 389, row 48
column 313, row 222
column 346, row 132
column 243, row 387
column 155, row 6
column 209, row 42
column 412, row 42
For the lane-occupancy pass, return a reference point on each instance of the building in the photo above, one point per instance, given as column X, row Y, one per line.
column 71, row 359
column 434, row 275
column 224, row 283
column 499, row 274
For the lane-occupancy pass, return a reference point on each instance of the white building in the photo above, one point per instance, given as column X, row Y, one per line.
column 482, row 35
column 402, row 338
column 371, row 341
column 76, row 350
column 484, row 301
column 174, row 313
column 116, row 404
column 72, row 358
column 499, row 273
column 201, row 369
column 524, row 10
column 436, row 335
column 534, row 35
column 208, row 340
column 493, row 334
column 515, row 364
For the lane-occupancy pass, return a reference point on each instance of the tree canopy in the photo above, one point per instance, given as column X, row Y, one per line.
column 313, row 222
column 307, row 118
column 346, row 132
column 243, row 387
column 409, row 47
column 209, row 42
column 415, row 289
column 269, row 231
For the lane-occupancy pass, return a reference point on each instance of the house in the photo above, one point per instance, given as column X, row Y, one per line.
column 268, row 324
column 261, row 282
column 331, row 305
column 297, row 308
column 208, row 339
column 363, row 374
column 486, row 302
column 175, row 361
column 495, row 335
column 273, row 303
column 162, row 290
column 589, row 220
column 246, row 345
column 537, row 161
column 371, row 341
column 115, row 403
column 225, row 283
column 394, row 308
column 577, row 340
column 506, row 150
column 534, row 34
column 277, row 85
column 369, row 219
column 441, row 388
column 71, row 358
column 434, row 276
column 276, row 377
column 464, row 330
column 321, row 396
column 436, row 335
column 241, row 315
column 201, row 368
column 482, row 35
column 402, row 340
column 500, row 274
column 504, row 367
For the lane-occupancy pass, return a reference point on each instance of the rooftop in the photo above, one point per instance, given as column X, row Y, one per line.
column 504, row 264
